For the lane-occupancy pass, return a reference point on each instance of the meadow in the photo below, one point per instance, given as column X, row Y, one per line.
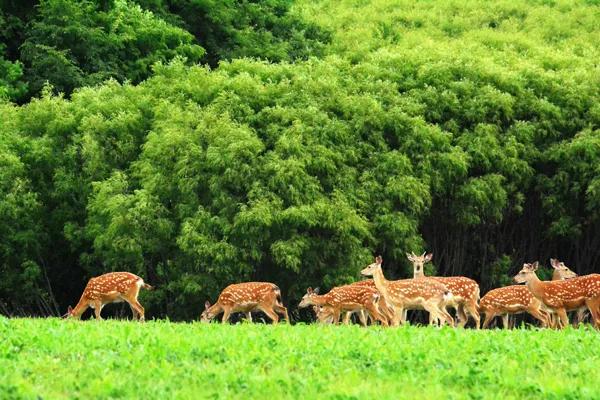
column 55, row 359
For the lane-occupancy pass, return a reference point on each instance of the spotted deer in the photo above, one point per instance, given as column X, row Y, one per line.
column 114, row 287
column 247, row 297
column 411, row 294
column 384, row 308
column 562, row 296
column 562, row 272
column 465, row 291
column 346, row 298
column 511, row 300
column 517, row 299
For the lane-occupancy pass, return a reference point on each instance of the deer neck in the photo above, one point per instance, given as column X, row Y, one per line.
column 319, row 299
column 556, row 276
column 536, row 286
column 418, row 273
column 380, row 282
column 80, row 308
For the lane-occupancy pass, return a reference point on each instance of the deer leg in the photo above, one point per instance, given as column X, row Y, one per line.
column 579, row 317
column 489, row 316
column 362, row 318
column 505, row 321
column 226, row 314
column 138, row 307
column 248, row 316
column 134, row 312
column 97, row 309
column 471, row 307
column 461, row 316
column 538, row 314
column 270, row 313
column 346, row 319
column 594, row 306
column 374, row 313
column 279, row 308
column 397, row 316
column 563, row 320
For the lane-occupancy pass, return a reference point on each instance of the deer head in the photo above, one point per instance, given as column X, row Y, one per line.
column 526, row 273
column 207, row 314
column 372, row 268
column 419, row 261
column 561, row 269
column 307, row 299
column 69, row 313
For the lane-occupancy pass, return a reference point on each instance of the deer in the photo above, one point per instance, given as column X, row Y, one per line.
column 113, row 287
column 465, row 291
column 413, row 294
column 509, row 300
column 384, row 308
column 562, row 272
column 562, row 296
column 247, row 297
column 345, row 298
column 516, row 299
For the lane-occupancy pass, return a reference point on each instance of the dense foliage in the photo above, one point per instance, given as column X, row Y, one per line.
column 75, row 43
column 191, row 361
column 468, row 129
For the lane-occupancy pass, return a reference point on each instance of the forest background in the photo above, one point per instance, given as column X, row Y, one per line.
column 198, row 143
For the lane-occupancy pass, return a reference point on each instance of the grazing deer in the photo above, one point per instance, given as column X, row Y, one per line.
column 247, row 297
column 465, row 291
column 516, row 299
column 411, row 294
column 562, row 296
column 346, row 298
column 114, row 287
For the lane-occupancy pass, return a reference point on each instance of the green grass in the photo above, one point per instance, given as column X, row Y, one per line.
column 50, row 358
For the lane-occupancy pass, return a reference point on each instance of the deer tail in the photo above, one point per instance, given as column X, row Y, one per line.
column 148, row 287
column 277, row 294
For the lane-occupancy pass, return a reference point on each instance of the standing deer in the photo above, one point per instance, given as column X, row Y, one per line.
column 384, row 308
column 516, row 299
column 562, row 296
column 465, row 291
column 562, row 272
column 114, row 287
column 411, row 294
column 247, row 297
column 510, row 300
column 345, row 298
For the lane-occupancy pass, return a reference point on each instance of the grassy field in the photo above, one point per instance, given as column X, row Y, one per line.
column 51, row 358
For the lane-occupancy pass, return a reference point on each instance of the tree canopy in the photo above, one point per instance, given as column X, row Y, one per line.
column 466, row 130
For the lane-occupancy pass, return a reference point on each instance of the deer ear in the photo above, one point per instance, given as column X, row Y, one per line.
column 409, row 256
column 554, row 263
column 535, row 265
column 309, row 290
column 316, row 291
column 428, row 257
column 378, row 259
column 207, row 305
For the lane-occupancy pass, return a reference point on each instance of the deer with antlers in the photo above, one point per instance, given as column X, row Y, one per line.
column 465, row 291
column 516, row 299
column 350, row 298
column 247, row 297
column 562, row 296
column 411, row 294
column 114, row 287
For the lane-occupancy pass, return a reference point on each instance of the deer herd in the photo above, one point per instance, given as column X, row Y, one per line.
column 381, row 301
